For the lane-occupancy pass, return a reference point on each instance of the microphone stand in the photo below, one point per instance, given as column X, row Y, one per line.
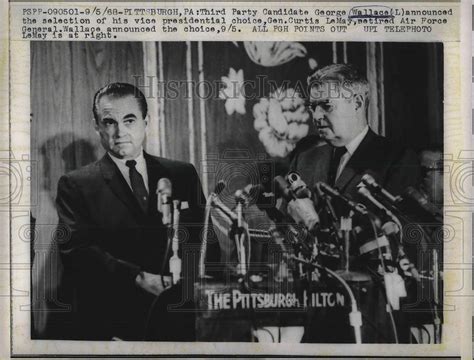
column 437, row 320
column 393, row 201
column 346, row 229
column 207, row 217
column 239, row 240
column 329, row 210
column 175, row 261
column 169, row 235
column 236, row 219
column 346, row 273
column 212, row 202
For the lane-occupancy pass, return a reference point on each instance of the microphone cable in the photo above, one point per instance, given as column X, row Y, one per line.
column 355, row 317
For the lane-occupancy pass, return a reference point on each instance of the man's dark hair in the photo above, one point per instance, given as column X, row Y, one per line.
column 120, row 90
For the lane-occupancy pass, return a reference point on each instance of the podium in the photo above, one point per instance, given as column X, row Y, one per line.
column 229, row 311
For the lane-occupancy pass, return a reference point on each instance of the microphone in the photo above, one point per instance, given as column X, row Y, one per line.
column 423, row 203
column 265, row 200
column 370, row 182
column 300, row 206
column 164, row 191
column 220, row 186
column 215, row 202
column 368, row 195
column 302, row 211
column 328, row 190
column 298, row 186
column 249, row 195
column 392, row 228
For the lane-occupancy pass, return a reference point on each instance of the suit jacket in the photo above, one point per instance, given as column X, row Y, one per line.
column 111, row 239
column 392, row 166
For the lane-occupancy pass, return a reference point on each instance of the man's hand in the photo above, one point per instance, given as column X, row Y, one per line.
column 152, row 282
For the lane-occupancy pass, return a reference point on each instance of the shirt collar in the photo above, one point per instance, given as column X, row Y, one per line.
column 140, row 159
column 354, row 144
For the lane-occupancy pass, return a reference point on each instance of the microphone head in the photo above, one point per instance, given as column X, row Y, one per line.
column 250, row 195
column 422, row 200
column 220, row 186
column 293, row 177
column 254, row 191
column 325, row 188
column 415, row 194
column 241, row 196
column 390, row 228
column 298, row 186
column 368, row 180
column 164, row 190
column 364, row 191
column 164, row 187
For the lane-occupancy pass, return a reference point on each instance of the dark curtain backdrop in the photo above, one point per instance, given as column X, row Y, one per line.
column 65, row 76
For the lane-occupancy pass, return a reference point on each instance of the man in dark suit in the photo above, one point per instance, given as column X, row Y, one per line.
column 114, row 254
column 339, row 97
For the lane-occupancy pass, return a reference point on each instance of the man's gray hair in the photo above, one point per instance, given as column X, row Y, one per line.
column 344, row 75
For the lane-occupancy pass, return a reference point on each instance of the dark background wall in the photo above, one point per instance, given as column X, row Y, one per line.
column 414, row 94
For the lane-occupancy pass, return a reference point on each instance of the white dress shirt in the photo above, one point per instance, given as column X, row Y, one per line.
column 350, row 150
column 125, row 170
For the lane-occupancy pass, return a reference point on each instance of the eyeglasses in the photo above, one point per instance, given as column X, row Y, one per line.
column 325, row 105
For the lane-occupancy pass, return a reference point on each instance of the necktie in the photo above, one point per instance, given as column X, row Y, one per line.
column 335, row 160
column 138, row 185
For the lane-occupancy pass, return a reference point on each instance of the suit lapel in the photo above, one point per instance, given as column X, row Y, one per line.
column 118, row 184
column 357, row 162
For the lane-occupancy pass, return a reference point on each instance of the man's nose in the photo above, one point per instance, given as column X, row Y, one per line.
column 318, row 115
column 120, row 130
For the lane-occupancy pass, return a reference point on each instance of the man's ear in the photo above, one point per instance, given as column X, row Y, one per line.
column 147, row 117
column 96, row 126
column 359, row 101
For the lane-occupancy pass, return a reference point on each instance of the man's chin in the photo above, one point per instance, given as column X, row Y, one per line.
column 333, row 142
column 125, row 154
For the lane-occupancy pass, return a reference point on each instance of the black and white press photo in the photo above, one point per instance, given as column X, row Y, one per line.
column 237, row 191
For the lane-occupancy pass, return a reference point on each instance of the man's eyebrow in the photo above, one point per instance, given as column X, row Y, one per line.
column 129, row 115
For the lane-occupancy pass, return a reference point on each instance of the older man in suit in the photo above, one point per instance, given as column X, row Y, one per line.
column 114, row 255
column 339, row 97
